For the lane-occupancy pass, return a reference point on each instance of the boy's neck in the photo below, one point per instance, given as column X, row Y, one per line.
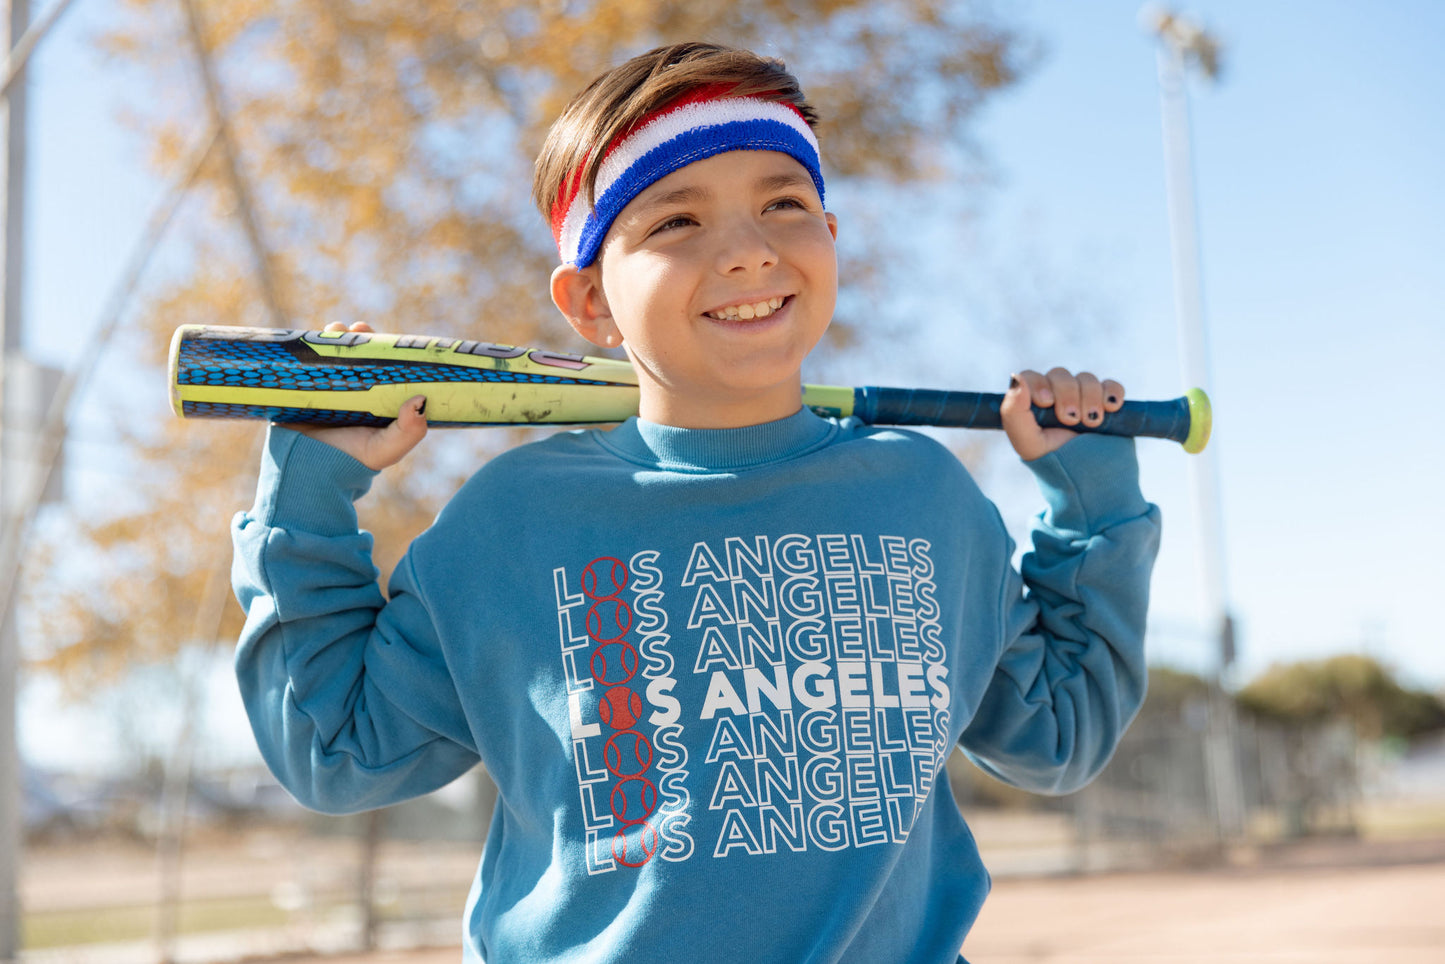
column 735, row 410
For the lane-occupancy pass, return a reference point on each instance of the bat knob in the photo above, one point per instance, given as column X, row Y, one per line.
column 1201, row 421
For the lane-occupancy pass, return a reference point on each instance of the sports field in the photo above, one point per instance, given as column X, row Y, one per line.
column 1340, row 904
column 1322, row 902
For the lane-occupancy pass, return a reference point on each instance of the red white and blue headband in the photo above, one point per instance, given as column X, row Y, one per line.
column 687, row 130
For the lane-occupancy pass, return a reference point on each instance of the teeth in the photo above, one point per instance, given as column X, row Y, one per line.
column 747, row 312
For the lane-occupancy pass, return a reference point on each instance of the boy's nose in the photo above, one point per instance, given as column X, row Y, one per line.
column 745, row 247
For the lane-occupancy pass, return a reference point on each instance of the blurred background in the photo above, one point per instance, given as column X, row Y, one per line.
column 1236, row 195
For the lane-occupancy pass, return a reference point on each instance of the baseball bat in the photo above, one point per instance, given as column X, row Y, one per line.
column 362, row 378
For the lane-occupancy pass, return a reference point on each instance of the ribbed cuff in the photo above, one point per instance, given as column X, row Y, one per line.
column 1090, row 483
column 308, row 485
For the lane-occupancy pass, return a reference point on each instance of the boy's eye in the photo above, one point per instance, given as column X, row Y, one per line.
column 680, row 221
column 784, row 203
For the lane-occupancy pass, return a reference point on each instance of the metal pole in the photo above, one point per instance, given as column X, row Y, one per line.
column 11, row 326
column 245, row 208
column 54, row 424
column 1178, row 39
column 1193, row 346
column 24, row 45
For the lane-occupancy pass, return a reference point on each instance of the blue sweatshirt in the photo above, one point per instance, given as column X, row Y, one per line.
column 714, row 674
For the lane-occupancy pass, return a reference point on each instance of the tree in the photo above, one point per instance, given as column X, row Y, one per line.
column 387, row 150
column 1350, row 687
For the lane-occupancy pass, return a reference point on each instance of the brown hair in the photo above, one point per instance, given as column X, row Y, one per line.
column 621, row 97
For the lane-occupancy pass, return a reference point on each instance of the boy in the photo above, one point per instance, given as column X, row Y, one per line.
column 716, row 657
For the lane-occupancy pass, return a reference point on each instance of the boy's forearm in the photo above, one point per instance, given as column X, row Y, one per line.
column 316, row 619
column 1073, row 673
column 307, row 485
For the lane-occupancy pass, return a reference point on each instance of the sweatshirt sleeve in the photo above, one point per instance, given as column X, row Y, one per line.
column 1072, row 673
column 348, row 692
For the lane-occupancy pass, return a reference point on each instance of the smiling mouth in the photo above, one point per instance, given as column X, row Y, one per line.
column 760, row 309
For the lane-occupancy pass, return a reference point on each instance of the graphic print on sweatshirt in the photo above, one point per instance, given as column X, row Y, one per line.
column 759, row 694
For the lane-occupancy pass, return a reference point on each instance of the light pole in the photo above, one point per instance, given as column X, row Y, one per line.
column 1184, row 43
column 12, row 199
column 24, row 393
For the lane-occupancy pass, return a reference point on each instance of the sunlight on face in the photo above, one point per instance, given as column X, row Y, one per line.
column 720, row 278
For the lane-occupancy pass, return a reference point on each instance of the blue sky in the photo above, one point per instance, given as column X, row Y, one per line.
column 1322, row 230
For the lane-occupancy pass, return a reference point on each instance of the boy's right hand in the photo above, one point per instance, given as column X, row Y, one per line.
column 375, row 448
column 1080, row 399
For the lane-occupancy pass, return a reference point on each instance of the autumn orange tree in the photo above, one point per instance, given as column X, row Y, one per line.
column 387, row 149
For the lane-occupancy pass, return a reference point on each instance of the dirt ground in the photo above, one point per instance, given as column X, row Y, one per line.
column 1341, row 905
column 1324, row 902
column 1370, row 915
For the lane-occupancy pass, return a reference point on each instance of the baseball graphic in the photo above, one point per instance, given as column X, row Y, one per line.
column 620, row 708
column 628, row 754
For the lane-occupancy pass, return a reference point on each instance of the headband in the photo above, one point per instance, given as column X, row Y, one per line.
column 684, row 131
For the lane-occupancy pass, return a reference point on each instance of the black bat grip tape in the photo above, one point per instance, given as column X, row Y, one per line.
column 927, row 406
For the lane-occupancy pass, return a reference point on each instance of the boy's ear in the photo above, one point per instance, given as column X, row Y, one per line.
column 577, row 293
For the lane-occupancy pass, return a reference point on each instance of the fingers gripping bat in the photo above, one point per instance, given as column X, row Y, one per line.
column 362, row 378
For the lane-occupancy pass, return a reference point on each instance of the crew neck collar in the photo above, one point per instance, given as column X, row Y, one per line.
column 715, row 450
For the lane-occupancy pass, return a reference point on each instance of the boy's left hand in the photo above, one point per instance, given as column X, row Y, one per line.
column 1076, row 399
column 376, row 448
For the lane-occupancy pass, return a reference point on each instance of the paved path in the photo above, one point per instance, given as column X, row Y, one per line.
column 1321, row 903
column 1360, row 914
column 1354, row 915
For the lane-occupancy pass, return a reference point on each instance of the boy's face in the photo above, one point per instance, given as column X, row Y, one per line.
column 718, row 279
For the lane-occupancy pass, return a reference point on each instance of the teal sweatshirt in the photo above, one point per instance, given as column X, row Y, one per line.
column 714, row 674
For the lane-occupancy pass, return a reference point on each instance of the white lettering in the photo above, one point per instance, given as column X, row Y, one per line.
column 721, row 696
